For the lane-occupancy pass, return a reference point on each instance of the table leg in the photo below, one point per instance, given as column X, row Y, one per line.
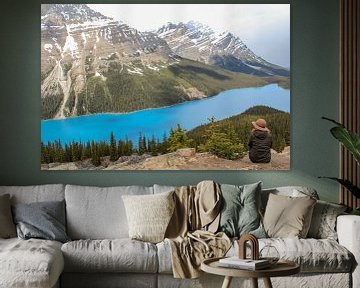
column 267, row 283
column 254, row 282
column 227, row 282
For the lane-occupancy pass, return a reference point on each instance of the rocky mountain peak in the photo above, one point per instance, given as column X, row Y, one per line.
column 70, row 13
column 196, row 41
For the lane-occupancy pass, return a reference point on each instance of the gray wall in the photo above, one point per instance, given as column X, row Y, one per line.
column 314, row 92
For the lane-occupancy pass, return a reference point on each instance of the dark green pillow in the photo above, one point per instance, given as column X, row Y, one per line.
column 240, row 213
column 43, row 220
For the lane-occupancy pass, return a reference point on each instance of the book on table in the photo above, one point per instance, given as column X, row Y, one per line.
column 249, row 264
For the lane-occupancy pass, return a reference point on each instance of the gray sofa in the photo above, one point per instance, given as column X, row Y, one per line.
column 101, row 254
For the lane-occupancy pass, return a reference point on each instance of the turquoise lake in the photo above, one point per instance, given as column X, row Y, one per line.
column 160, row 120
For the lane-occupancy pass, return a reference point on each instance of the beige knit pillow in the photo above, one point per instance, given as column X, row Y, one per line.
column 288, row 217
column 149, row 215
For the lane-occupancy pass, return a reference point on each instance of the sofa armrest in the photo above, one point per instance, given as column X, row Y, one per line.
column 348, row 230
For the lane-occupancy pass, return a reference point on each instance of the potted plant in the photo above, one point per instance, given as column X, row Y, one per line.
column 351, row 141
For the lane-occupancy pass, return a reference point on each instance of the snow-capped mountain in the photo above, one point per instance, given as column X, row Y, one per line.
column 91, row 63
column 78, row 43
column 198, row 42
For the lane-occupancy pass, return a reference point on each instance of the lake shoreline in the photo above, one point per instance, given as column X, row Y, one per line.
column 166, row 106
column 157, row 121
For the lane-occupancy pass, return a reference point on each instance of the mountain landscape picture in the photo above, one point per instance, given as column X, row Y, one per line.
column 165, row 87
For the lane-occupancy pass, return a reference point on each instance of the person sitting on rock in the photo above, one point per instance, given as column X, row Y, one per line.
column 260, row 142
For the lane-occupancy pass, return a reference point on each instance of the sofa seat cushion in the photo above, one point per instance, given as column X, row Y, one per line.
column 313, row 255
column 30, row 263
column 115, row 255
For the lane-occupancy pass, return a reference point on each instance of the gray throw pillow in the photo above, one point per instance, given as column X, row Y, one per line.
column 323, row 222
column 7, row 226
column 240, row 213
column 43, row 220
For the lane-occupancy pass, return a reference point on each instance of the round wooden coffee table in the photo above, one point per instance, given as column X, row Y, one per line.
column 281, row 268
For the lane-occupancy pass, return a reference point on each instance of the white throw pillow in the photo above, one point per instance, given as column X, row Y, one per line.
column 149, row 215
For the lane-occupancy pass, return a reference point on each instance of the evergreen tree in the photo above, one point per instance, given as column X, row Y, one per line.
column 129, row 147
column 113, row 148
column 67, row 153
column 86, row 151
column 224, row 144
column 153, row 147
column 75, row 151
column 142, row 145
column 178, row 139
column 45, row 156
column 95, row 157
column 164, row 145
column 121, row 148
column 279, row 145
column 58, row 152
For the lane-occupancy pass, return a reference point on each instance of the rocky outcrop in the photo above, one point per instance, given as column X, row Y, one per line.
column 183, row 159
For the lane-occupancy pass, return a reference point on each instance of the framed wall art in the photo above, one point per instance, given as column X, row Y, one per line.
column 165, row 87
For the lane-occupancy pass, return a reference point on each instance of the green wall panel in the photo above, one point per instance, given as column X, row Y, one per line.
column 314, row 92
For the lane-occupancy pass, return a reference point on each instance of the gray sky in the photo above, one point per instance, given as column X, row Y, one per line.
column 265, row 28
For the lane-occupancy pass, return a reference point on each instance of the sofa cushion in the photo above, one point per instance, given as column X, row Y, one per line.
column 291, row 191
column 117, row 255
column 30, row 263
column 240, row 210
column 313, row 255
column 163, row 188
column 98, row 213
column 7, row 226
column 287, row 216
column 149, row 215
column 323, row 222
column 35, row 193
column 109, row 280
column 43, row 220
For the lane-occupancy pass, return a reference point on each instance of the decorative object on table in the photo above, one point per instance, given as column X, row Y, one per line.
column 269, row 253
column 247, row 264
column 254, row 246
column 241, row 261
column 351, row 142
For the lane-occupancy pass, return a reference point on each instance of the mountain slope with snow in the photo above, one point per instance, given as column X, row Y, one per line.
column 91, row 63
column 198, row 42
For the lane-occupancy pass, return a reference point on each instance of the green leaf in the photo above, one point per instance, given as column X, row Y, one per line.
column 347, row 184
column 348, row 138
